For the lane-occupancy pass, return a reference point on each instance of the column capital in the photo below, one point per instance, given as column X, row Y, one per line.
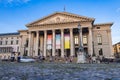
column 90, row 27
column 37, row 31
column 71, row 29
column 53, row 30
column 29, row 32
column 62, row 30
column 45, row 30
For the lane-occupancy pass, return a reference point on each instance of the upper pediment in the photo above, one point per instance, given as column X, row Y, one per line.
column 60, row 17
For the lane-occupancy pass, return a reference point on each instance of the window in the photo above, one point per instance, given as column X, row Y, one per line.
column 6, row 42
column 99, row 39
column 100, row 51
column 11, row 42
column 76, row 40
column 84, row 39
column 16, row 41
column 0, row 42
column 27, row 43
column 98, row 27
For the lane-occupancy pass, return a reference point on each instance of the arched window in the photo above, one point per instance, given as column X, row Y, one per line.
column 99, row 39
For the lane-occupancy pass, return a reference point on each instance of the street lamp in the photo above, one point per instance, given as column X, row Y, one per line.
column 80, row 36
column 81, row 53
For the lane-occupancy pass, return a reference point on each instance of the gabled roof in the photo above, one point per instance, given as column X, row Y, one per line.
column 61, row 13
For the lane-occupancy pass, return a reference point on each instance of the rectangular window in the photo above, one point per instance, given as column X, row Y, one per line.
column 6, row 42
column 16, row 41
column 100, row 51
column 11, row 42
column 0, row 42
column 98, row 27
column 85, row 40
column 76, row 40
column 99, row 39
column 0, row 50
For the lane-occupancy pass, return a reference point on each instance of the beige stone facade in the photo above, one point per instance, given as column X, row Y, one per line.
column 8, row 43
column 116, row 49
column 58, row 35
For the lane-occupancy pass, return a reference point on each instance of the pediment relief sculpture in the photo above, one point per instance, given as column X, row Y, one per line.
column 60, row 17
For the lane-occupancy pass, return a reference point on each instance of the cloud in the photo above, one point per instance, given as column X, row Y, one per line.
column 14, row 1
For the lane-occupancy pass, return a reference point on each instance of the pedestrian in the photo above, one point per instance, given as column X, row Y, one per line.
column 12, row 56
column 18, row 57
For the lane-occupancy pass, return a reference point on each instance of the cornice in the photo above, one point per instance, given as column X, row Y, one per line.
column 58, row 23
column 104, row 24
column 22, row 30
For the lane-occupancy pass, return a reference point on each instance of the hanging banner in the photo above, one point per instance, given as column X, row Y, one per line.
column 49, row 41
column 58, row 38
column 67, row 41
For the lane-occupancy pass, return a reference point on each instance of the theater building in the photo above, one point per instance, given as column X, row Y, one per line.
column 58, row 34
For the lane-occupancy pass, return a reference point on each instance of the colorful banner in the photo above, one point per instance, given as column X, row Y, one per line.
column 49, row 41
column 58, row 38
column 67, row 41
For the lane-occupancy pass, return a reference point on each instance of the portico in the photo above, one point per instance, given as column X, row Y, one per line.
column 44, row 42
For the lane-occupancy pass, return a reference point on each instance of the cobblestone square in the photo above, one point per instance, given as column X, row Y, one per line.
column 58, row 71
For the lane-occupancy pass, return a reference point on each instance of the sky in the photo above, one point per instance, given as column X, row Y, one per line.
column 15, row 14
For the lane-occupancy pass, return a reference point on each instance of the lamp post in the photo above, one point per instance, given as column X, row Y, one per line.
column 81, row 54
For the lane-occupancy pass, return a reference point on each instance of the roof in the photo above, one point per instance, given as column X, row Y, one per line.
column 7, row 34
column 62, row 13
column 101, row 24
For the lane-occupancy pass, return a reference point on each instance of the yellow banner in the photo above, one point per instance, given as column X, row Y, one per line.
column 67, row 41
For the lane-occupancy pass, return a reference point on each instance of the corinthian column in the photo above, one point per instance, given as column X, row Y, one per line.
column 45, row 42
column 62, row 42
column 53, row 43
column 37, row 43
column 29, row 44
column 90, row 47
column 71, row 43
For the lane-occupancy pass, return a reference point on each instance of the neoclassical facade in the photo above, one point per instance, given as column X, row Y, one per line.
column 58, row 34
column 9, row 42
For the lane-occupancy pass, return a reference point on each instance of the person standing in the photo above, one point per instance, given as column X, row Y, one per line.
column 18, row 57
column 12, row 56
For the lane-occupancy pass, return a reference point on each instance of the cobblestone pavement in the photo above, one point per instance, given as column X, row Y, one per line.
column 58, row 71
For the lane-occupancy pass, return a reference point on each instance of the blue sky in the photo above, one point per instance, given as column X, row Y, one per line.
column 15, row 14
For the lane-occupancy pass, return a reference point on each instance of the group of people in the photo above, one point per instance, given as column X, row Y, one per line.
column 56, row 59
column 13, row 57
column 97, row 59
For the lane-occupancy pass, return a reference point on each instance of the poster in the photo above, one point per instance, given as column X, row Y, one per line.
column 49, row 41
column 67, row 41
column 58, row 38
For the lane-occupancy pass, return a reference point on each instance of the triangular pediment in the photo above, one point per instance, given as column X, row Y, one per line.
column 60, row 17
